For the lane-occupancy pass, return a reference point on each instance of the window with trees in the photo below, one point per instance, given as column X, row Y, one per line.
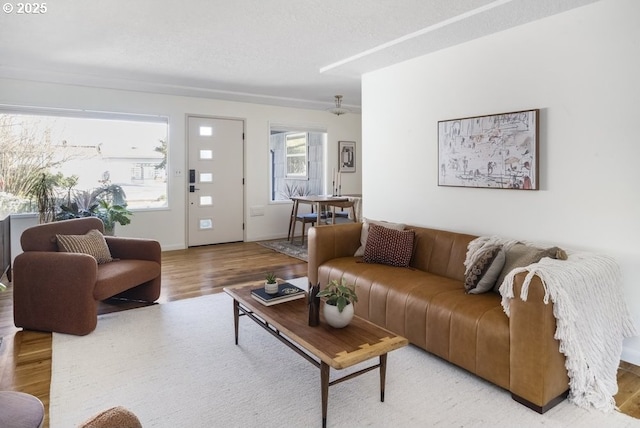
column 80, row 160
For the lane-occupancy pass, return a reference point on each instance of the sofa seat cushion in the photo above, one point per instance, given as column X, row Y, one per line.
column 121, row 275
column 432, row 312
column 384, row 291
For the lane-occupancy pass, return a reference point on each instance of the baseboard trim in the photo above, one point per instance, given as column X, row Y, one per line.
column 541, row 409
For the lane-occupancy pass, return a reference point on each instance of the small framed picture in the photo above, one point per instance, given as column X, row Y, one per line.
column 347, row 156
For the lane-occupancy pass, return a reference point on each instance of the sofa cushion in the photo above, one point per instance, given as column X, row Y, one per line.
column 364, row 234
column 489, row 278
column 379, row 302
column 388, row 246
column 92, row 243
column 482, row 264
column 521, row 255
column 122, row 275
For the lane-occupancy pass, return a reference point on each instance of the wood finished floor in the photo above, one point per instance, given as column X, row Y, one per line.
column 25, row 356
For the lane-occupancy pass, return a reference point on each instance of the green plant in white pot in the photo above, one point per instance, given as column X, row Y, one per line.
column 338, row 306
column 270, row 283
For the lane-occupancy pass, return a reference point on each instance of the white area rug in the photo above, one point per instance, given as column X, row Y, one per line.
column 176, row 365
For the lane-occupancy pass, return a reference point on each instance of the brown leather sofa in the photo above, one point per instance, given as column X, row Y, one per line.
column 427, row 304
column 59, row 291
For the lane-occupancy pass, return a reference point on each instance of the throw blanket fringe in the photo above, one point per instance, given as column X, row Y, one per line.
column 592, row 320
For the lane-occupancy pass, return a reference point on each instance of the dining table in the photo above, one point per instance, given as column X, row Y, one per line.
column 315, row 201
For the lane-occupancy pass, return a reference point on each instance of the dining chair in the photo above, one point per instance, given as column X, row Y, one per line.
column 343, row 205
column 311, row 217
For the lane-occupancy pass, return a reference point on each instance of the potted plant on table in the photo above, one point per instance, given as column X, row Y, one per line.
column 270, row 284
column 338, row 308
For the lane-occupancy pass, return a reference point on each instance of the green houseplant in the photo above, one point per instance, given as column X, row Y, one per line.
column 338, row 308
column 108, row 203
column 43, row 189
column 110, row 214
column 270, row 283
column 339, row 294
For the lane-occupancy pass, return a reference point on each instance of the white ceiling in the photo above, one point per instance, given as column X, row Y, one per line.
column 296, row 53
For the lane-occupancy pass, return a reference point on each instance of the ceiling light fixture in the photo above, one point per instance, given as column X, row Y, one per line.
column 338, row 110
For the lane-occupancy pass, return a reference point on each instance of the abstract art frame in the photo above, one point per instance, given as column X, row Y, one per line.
column 347, row 156
column 497, row 151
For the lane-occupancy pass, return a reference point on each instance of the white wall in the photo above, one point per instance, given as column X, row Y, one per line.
column 582, row 69
column 168, row 226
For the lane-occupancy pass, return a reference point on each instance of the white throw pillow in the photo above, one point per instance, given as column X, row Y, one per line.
column 365, row 232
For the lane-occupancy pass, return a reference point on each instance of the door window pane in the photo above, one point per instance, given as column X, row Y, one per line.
column 206, row 131
column 206, row 154
column 206, row 223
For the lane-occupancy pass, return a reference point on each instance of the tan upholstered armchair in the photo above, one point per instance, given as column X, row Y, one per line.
column 59, row 291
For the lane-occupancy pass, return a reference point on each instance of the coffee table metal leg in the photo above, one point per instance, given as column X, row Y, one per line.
column 324, row 383
column 236, row 317
column 383, row 374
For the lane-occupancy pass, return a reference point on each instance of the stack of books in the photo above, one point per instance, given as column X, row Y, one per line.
column 286, row 293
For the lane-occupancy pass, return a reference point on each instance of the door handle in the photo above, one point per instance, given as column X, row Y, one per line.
column 192, row 189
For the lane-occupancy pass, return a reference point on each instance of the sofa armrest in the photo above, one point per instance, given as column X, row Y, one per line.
column 134, row 248
column 54, row 291
column 330, row 242
column 538, row 377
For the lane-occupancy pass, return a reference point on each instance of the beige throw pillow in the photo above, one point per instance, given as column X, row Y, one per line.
column 521, row 255
column 478, row 270
column 365, row 232
column 488, row 280
column 92, row 243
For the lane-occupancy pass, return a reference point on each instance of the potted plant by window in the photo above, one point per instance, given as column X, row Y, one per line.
column 108, row 203
column 270, row 284
column 43, row 189
column 110, row 214
column 338, row 306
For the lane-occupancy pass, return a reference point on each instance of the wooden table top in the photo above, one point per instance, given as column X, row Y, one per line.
column 319, row 198
column 361, row 340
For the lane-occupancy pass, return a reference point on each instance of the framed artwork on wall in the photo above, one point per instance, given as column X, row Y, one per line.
column 498, row 151
column 347, row 156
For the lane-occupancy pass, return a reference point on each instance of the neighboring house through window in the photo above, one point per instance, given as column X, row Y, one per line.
column 85, row 151
column 297, row 161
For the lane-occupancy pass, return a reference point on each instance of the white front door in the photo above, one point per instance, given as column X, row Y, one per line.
column 215, row 180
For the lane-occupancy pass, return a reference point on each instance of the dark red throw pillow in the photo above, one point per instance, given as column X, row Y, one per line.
column 388, row 246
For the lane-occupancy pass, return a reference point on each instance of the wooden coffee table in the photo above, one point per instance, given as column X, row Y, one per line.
column 323, row 346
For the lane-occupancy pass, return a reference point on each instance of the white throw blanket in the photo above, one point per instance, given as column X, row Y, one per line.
column 592, row 320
